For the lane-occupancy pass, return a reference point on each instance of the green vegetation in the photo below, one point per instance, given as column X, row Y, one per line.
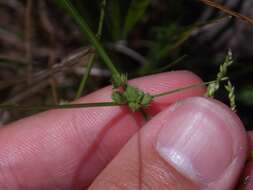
column 133, row 37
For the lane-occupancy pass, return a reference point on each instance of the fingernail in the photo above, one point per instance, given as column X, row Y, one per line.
column 196, row 140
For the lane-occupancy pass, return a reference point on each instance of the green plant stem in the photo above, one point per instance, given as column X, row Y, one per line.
column 186, row 88
column 172, row 64
column 101, row 19
column 86, row 75
column 92, row 56
column 91, row 37
column 98, row 104
column 55, row 106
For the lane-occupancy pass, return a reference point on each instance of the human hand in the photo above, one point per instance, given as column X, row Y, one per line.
column 196, row 143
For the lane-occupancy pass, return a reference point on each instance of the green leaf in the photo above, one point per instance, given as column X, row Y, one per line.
column 134, row 15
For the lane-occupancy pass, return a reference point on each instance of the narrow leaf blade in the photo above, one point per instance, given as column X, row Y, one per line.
column 135, row 13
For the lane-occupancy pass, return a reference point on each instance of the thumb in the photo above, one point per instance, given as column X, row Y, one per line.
column 197, row 143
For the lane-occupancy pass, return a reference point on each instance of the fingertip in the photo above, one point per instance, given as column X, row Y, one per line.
column 250, row 137
column 246, row 180
column 205, row 141
column 61, row 139
column 196, row 143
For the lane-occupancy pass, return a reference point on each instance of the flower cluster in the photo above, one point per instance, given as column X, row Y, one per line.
column 133, row 97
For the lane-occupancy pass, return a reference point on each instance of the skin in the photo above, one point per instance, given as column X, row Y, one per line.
column 113, row 148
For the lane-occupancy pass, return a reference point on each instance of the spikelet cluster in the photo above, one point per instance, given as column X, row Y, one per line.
column 222, row 74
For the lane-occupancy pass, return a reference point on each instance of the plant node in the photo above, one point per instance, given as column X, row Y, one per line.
column 133, row 97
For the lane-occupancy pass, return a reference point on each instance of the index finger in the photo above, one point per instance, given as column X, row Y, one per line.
column 66, row 149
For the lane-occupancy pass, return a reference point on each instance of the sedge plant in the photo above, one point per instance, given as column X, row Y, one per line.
column 124, row 94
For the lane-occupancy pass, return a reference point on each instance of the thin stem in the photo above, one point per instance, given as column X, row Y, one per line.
column 172, row 64
column 91, row 37
column 101, row 19
column 93, row 56
column 186, row 88
column 65, row 106
column 227, row 11
column 98, row 104
column 86, row 75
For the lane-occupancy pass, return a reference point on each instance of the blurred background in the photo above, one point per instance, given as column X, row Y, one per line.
column 43, row 53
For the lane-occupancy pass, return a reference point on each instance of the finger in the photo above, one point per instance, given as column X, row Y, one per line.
column 197, row 143
column 66, row 149
column 246, row 182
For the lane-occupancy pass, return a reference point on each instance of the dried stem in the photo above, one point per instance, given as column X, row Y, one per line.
column 68, row 61
column 228, row 11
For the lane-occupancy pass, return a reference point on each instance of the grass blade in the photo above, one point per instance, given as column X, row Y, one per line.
column 89, row 34
column 93, row 56
column 135, row 13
